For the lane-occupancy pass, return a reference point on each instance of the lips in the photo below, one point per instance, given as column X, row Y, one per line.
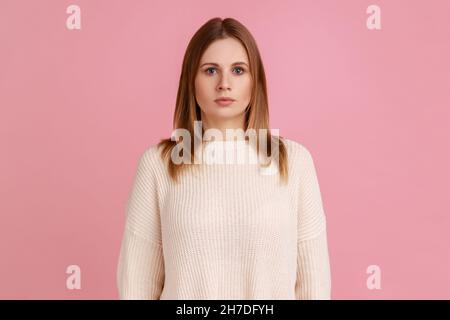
column 224, row 101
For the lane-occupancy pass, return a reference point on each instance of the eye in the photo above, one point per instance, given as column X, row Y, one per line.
column 209, row 69
column 240, row 69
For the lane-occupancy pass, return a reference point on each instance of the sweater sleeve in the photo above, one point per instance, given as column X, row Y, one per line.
column 313, row 266
column 140, row 269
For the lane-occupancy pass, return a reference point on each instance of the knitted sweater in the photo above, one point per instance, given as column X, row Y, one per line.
column 227, row 231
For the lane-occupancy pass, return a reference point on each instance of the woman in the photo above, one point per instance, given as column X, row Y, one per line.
column 216, row 230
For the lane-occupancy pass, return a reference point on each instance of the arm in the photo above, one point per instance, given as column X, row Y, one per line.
column 140, row 269
column 313, row 266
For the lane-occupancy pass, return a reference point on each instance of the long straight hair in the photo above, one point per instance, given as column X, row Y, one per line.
column 187, row 110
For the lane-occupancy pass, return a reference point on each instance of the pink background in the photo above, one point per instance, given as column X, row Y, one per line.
column 78, row 107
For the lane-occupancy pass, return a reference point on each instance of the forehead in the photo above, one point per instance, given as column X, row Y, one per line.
column 225, row 52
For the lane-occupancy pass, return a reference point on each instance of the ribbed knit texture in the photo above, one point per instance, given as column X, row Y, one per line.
column 226, row 231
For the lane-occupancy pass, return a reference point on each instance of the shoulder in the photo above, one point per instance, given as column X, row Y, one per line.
column 151, row 153
column 296, row 150
column 300, row 159
column 150, row 158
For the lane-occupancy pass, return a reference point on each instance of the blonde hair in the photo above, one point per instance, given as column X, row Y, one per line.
column 187, row 110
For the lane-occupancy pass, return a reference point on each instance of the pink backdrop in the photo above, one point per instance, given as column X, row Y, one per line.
column 78, row 107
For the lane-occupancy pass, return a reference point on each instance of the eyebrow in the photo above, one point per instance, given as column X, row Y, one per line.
column 217, row 65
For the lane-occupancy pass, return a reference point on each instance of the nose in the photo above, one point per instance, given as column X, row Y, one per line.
column 223, row 84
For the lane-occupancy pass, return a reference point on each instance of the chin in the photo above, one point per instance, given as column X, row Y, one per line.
column 226, row 114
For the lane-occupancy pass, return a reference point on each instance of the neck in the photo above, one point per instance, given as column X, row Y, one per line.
column 223, row 126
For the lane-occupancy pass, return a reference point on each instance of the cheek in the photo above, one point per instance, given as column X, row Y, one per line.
column 201, row 87
column 247, row 87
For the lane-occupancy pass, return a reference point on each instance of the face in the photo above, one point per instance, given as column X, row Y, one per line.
column 223, row 72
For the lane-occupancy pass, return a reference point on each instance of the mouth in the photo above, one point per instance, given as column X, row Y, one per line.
column 224, row 101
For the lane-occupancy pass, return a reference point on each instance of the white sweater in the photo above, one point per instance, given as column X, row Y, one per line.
column 227, row 231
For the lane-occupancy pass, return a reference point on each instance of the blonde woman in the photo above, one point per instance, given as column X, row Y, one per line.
column 224, row 229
